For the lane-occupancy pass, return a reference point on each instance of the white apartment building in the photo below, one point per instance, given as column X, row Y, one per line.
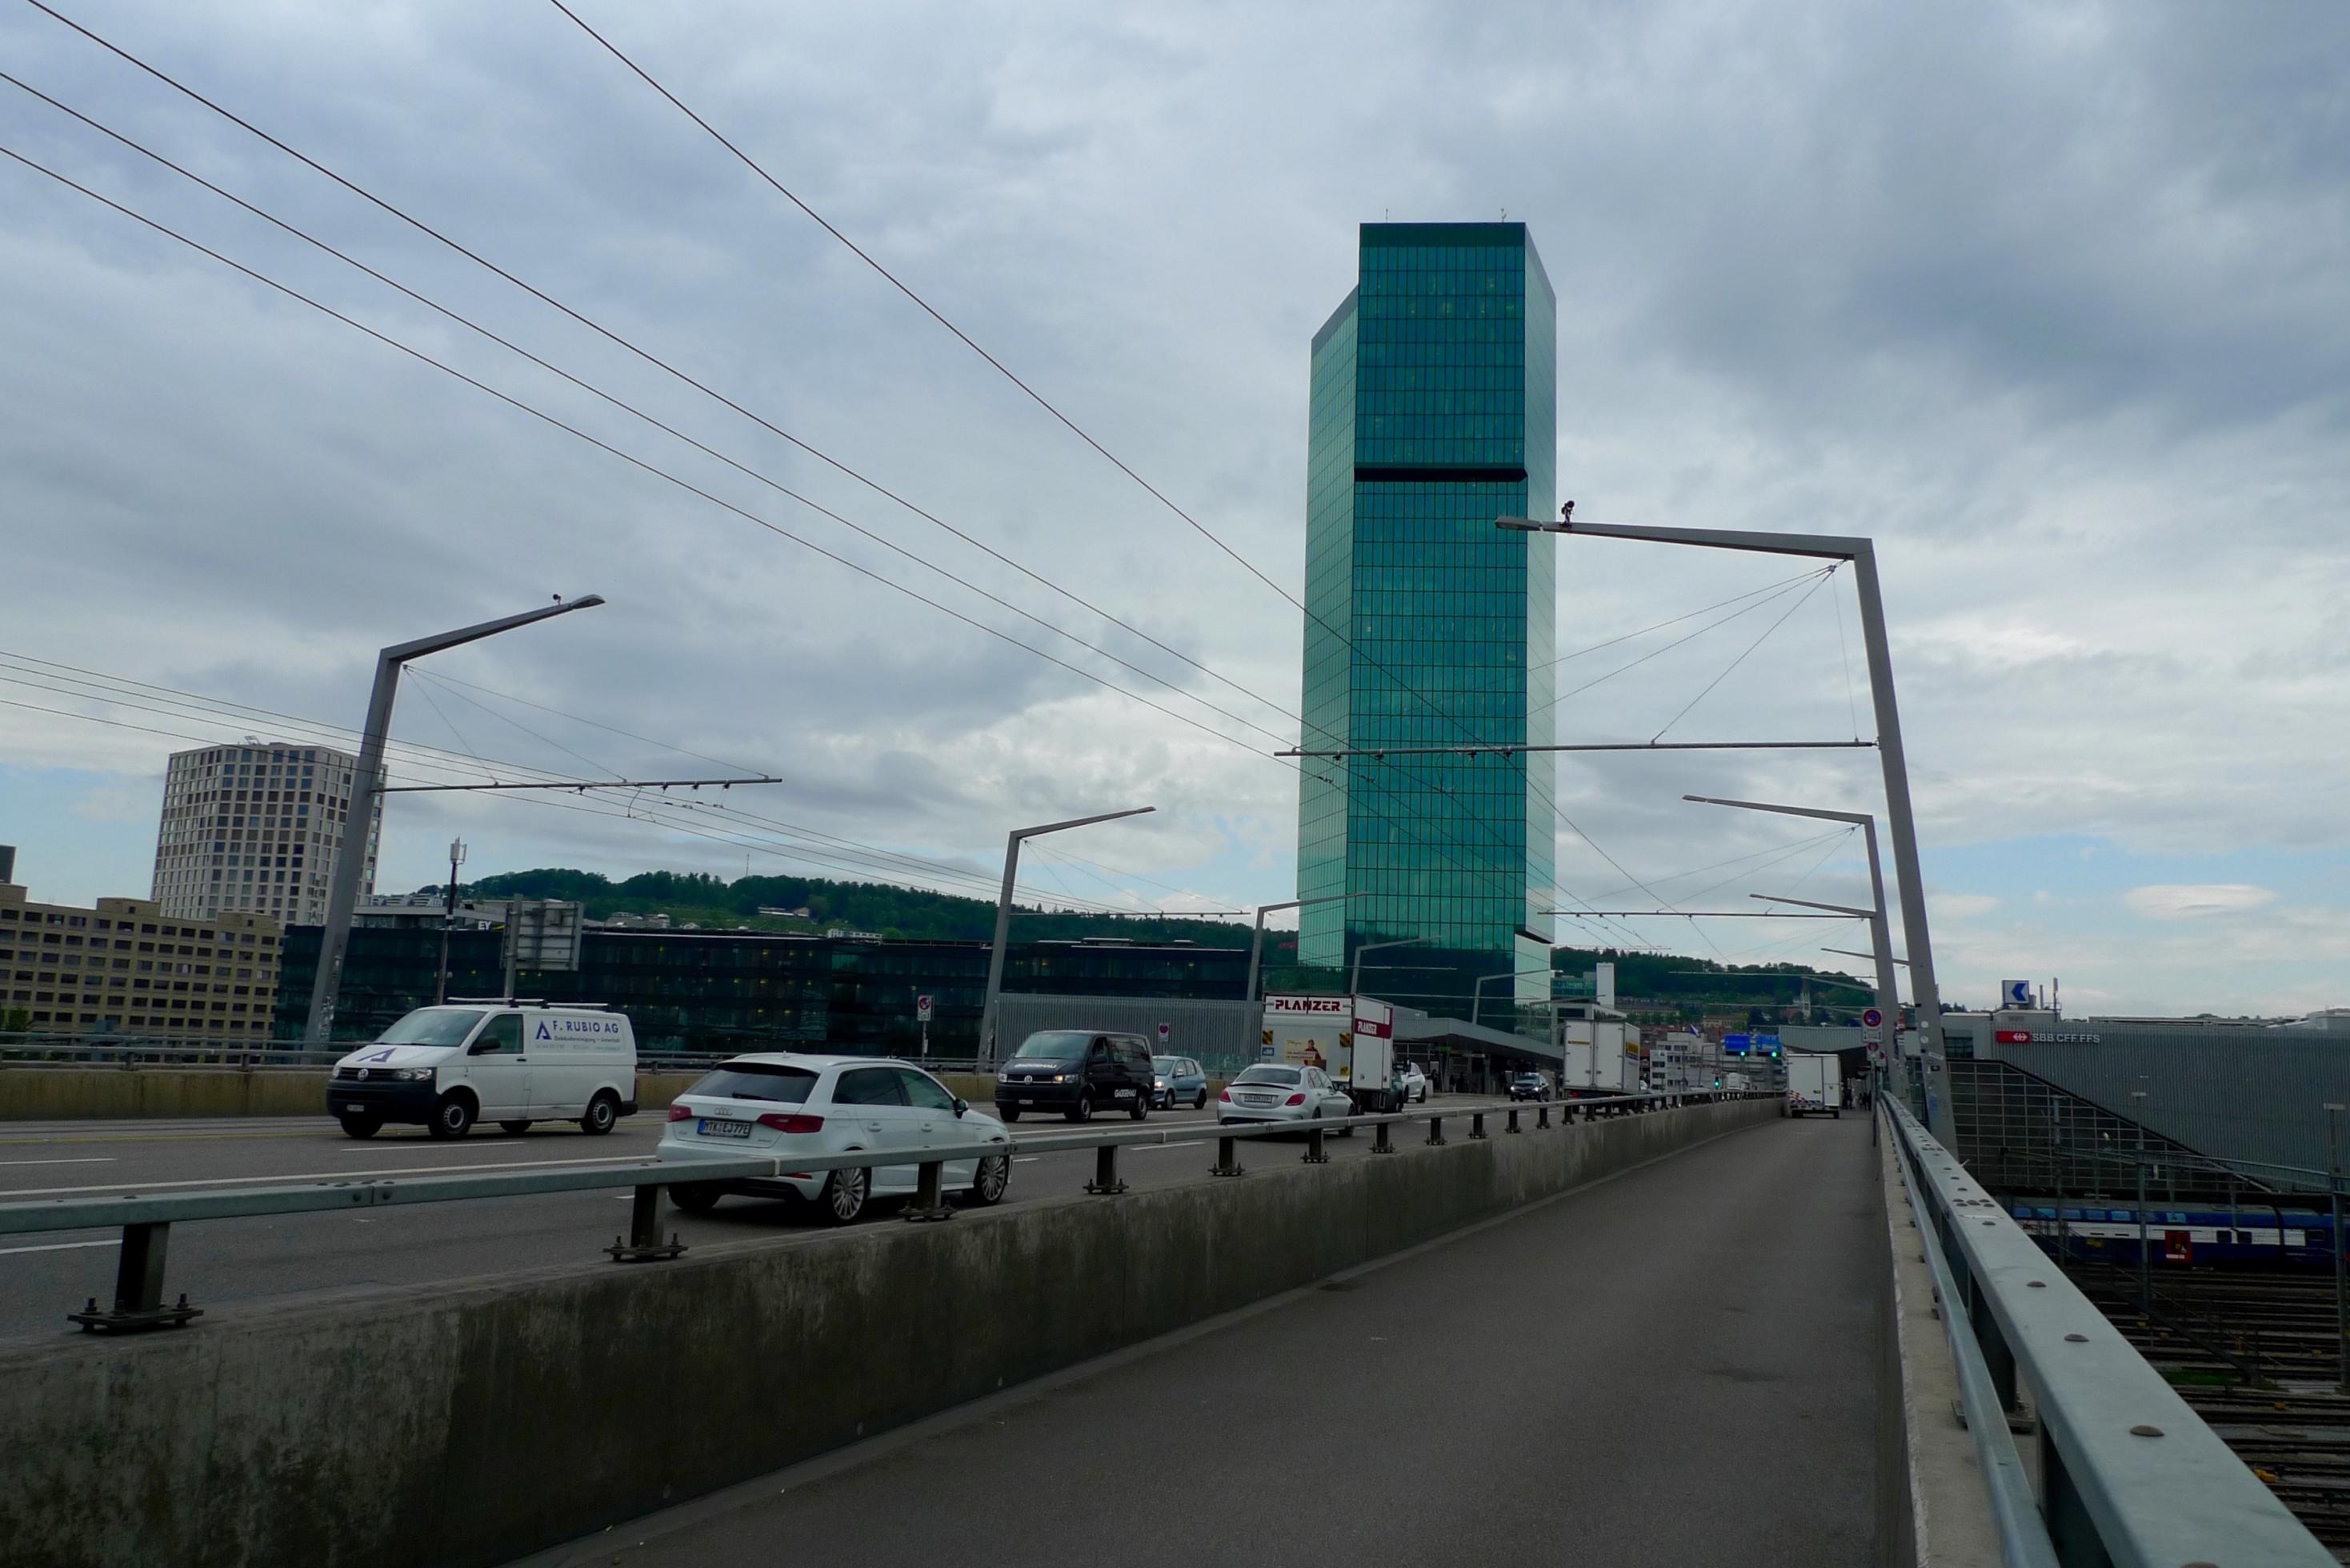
column 256, row 827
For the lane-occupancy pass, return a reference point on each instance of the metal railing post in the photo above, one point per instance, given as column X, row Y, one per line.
column 137, row 1287
column 1477, row 1125
column 1384, row 1143
column 1228, row 1158
column 1314, row 1155
column 644, row 1244
column 1105, row 1183
column 1542, row 1114
column 930, row 1203
column 1435, row 1132
column 1513, row 1126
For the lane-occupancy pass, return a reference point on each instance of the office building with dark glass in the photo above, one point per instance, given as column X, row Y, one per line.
column 1434, row 412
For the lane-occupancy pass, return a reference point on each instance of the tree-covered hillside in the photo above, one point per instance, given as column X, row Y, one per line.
column 707, row 900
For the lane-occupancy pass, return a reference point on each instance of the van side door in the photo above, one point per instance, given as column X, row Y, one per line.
column 499, row 1068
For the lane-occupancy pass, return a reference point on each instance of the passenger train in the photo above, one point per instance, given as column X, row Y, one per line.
column 2248, row 1233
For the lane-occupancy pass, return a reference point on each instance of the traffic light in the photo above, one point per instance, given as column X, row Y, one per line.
column 1717, row 1082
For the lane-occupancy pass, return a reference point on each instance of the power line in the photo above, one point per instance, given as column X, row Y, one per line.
column 631, row 408
column 580, row 316
column 1201, row 529
column 664, row 474
column 199, row 97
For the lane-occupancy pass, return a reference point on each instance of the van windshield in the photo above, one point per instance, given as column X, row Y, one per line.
column 432, row 1026
column 1053, row 1045
column 758, row 1081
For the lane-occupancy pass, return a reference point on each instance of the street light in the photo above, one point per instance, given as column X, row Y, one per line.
column 1256, row 943
column 1477, row 991
column 987, row 1020
column 1355, row 979
column 344, row 892
column 1862, row 554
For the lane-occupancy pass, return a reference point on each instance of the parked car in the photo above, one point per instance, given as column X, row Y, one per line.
column 446, row 1067
column 1076, row 1073
column 1278, row 1092
column 1530, row 1087
column 1177, row 1081
column 782, row 1104
column 1415, row 1084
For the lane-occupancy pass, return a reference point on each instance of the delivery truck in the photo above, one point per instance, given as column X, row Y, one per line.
column 1351, row 1038
column 1814, row 1082
column 1595, row 1060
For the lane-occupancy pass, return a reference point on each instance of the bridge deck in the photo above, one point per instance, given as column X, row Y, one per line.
column 1674, row 1367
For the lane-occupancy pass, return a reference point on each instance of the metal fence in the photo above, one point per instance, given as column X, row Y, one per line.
column 146, row 1221
column 2129, row 1476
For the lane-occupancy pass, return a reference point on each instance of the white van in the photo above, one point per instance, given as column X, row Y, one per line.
column 503, row 1061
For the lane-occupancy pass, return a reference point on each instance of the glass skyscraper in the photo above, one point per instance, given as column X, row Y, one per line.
column 1434, row 412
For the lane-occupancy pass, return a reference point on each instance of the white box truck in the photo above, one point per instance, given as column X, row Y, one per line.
column 1352, row 1038
column 1814, row 1082
column 1595, row 1060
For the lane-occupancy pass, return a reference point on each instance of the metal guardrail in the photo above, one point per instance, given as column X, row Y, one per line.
column 2129, row 1475
column 146, row 1220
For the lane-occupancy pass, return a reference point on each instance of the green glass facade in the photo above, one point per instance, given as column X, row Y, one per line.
column 711, row 992
column 1434, row 411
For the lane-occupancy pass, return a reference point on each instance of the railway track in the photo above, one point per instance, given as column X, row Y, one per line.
column 2291, row 1423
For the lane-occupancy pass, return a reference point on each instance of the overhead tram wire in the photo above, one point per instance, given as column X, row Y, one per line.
column 642, row 464
column 398, row 751
column 558, row 305
column 632, row 460
column 584, row 320
column 1201, row 529
column 1687, row 615
column 847, row 854
column 706, row 450
column 1750, row 648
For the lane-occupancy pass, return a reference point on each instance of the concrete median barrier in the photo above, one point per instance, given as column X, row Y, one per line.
column 463, row 1425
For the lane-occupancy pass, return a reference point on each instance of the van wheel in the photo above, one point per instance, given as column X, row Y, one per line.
column 695, row 1196
column 453, row 1117
column 1009, row 1112
column 1083, row 1111
column 842, row 1201
column 995, row 1174
column 517, row 1129
column 1142, row 1108
column 361, row 1127
column 602, row 1112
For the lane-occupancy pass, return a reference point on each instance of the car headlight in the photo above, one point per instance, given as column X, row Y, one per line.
column 1064, row 1077
column 1157, row 1083
column 414, row 1075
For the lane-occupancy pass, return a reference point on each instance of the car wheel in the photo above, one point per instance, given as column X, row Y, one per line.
column 995, row 1174
column 1201, row 1103
column 453, row 1117
column 695, row 1196
column 1142, row 1108
column 603, row 1113
column 843, row 1200
column 1083, row 1111
column 1009, row 1112
column 1423, row 1096
column 514, row 1129
column 361, row 1127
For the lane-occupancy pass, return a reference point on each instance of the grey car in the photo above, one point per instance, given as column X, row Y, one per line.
column 1177, row 1081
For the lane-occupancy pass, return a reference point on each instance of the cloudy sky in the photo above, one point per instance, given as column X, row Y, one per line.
column 2053, row 300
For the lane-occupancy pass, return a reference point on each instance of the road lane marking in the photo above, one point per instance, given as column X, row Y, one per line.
column 138, row 1187
column 61, row 1246
column 84, row 1160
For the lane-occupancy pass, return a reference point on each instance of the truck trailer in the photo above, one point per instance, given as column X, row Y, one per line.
column 1814, row 1082
column 1351, row 1038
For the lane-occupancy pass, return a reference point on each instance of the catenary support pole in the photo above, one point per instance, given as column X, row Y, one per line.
column 367, row 783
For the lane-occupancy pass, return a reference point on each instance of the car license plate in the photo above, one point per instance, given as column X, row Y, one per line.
column 355, row 1107
column 711, row 1126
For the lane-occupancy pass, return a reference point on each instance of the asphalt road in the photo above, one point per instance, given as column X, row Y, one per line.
column 1673, row 1367
column 220, row 1264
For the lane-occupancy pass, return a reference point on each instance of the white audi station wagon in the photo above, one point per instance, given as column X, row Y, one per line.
column 784, row 1104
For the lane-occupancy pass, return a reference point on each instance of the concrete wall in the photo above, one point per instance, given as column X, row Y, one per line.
column 122, row 1094
column 470, row 1425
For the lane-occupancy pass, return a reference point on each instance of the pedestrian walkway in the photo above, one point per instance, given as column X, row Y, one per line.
column 1676, row 1367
